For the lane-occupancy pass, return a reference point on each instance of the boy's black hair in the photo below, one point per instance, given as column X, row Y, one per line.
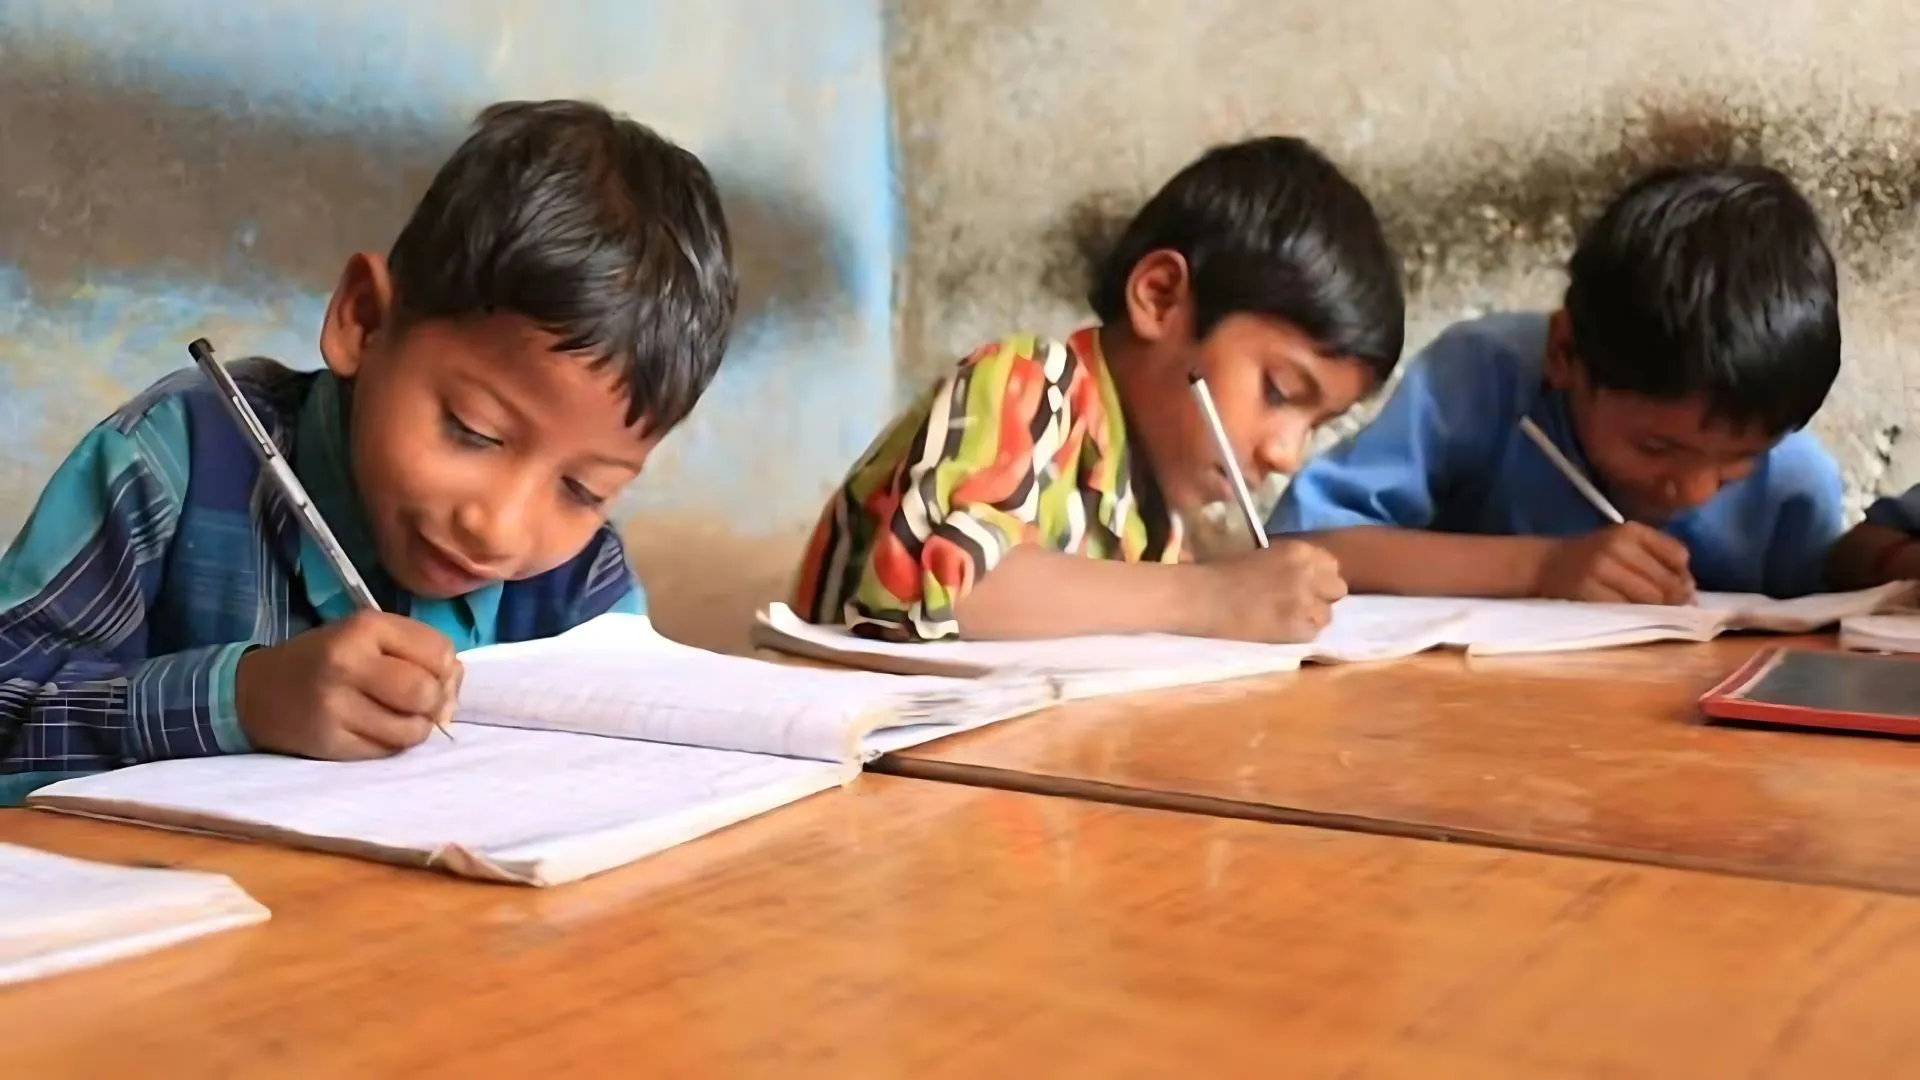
column 592, row 226
column 1712, row 281
column 1270, row 227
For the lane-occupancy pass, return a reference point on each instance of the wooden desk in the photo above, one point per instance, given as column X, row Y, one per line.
column 929, row 930
column 1600, row 753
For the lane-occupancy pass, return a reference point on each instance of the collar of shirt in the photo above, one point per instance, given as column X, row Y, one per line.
column 320, row 458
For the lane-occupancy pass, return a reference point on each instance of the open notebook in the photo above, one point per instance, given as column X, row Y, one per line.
column 59, row 913
column 1364, row 628
column 571, row 756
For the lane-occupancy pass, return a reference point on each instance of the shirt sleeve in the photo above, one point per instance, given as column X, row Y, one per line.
column 78, row 691
column 1900, row 512
column 1437, row 427
column 1805, row 487
column 953, row 493
column 1805, row 484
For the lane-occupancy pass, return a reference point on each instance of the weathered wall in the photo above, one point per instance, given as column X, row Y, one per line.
column 1482, row 128
column 186, row 167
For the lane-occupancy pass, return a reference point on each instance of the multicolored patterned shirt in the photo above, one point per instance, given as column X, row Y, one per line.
column 158, row 554
column 1025, row 443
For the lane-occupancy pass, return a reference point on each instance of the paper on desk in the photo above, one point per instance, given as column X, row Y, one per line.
column 1105, row 664
column 1364, row 628
column 617, row 676
column 1881, row 633
column 59, row 914
column 506, row 804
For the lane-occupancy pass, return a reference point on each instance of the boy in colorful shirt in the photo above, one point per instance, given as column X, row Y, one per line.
column 1699, row 334
column 557, row 303
column 1036, row 490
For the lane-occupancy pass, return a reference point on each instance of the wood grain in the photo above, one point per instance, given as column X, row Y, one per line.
column 905, row 929
column 1600, row 753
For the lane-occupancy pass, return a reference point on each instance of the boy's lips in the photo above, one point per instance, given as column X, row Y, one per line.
column 444, row 570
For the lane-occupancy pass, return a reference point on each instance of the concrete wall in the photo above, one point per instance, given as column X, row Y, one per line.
column 186, row 167
column 1482, row 128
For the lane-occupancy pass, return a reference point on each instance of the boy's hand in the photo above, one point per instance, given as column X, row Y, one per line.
column 367, row 686
column 1283, row 594
column 1630, row 564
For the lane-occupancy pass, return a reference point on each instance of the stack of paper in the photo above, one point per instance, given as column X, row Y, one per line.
column 1881, row 633
column 57, row 913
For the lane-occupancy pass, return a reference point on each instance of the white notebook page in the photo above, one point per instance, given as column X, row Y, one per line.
column 1805, row 614
column 506, row 803
column 59, row 913
column 617, row 676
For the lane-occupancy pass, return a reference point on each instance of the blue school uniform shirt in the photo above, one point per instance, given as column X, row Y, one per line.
column 159, row 553
column 1898, row 511
column 1446, row 453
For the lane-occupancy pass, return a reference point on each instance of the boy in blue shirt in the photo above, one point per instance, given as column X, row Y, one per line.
column 1699, row 333
column 557, row 303
column 1883, row 548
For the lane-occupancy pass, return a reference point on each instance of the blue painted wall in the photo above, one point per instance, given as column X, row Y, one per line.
column 187, row 167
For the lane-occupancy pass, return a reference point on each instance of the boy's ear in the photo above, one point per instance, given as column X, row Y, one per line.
column 1559, row 363
column 360, row 315
column 1158, row 294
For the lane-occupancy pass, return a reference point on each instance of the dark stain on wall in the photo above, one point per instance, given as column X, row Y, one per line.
column 106, row 177
column 1493, row 208
column 1455, row 221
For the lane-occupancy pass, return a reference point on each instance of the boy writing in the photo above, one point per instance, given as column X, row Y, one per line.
column 1699, row 333
column 1034, row 491
column 557, row 303
column 1883, row 548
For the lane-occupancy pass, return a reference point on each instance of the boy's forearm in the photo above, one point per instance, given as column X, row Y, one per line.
column 1412, row 562
column 1035, row 593
column 1870, row 555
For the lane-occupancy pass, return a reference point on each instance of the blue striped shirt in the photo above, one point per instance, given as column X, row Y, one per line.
column 159, row 553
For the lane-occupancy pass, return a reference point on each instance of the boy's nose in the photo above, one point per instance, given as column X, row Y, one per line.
column 1694, row 487
column 1283, row 452
column 493, row 525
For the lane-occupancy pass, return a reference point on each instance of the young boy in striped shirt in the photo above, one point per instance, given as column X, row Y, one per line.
column 557, row 303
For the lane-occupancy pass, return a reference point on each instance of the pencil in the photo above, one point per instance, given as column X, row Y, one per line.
column 1567, row 469
column 1228, row 459
column 274, row 464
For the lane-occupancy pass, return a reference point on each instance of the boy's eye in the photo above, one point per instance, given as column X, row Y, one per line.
column 584, row 496
column 1656, row 448
column 1276, row 397
column 459, row 431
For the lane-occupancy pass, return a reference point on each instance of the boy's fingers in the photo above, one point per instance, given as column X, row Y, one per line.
column 1670, row 584
column 401, row 686
column 386, row 732
column 1630, row 582
column 1671, row 553
column 417, row 642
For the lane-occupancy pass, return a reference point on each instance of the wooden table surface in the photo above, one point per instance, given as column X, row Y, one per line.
column 1600, row 753
column 909, row 929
